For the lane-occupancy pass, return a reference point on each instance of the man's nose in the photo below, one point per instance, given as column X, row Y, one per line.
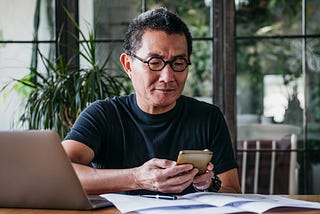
column 167, row 73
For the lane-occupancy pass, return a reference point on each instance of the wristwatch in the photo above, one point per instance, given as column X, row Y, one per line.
column 215, row 185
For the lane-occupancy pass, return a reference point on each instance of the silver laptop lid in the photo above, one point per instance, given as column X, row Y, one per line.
column 35, row 172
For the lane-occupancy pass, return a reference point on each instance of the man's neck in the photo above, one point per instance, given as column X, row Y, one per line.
column 155, row 109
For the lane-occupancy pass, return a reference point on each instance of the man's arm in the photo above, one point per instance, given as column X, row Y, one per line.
column 96, row 181
column 155, row 175
column 230, row 181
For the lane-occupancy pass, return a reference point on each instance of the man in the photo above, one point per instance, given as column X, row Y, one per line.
column 130, row 143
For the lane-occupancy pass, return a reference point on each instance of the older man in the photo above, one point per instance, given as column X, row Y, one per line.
column 130, row 143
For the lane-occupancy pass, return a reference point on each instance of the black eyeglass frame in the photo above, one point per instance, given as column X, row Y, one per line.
column 164, row 62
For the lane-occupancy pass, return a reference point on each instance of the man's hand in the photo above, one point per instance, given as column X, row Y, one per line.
column 164, row 176
column 204, row 181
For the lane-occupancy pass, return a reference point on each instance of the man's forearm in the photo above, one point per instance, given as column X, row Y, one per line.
column 99, row 181
column 229, row 190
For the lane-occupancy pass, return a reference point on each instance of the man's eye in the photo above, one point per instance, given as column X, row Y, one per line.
column 179, row 62
column 155, row 62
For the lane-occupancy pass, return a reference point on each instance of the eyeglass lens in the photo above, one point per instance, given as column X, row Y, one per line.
column 157, row 64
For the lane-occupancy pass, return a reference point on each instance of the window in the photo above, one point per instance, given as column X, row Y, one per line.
column 20, row 24
column 278, row 71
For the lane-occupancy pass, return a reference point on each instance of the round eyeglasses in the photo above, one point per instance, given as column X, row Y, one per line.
column 157, row 63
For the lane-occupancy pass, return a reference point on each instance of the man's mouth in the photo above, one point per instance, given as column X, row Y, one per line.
column 165, row 89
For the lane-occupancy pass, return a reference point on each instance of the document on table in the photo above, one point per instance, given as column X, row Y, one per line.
column 207, row 202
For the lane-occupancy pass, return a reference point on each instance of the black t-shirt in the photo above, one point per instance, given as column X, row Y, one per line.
column 123, row 136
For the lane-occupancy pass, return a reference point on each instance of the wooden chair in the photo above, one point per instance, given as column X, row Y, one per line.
column 266, row 152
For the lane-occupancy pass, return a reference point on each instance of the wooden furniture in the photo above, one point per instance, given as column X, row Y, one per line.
column 113, row 210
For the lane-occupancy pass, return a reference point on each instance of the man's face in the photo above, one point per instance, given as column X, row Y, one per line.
column 157, row 91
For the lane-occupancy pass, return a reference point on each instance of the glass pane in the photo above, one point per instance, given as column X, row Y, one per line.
column 106, row 51
column 196, row 14
column 15, row 64
column 199, row 83
column 269, row 80
column 86, row 15
column 111, row 17
column 260, row 17
column 313, row 98
column 17, row 20
column 313, row 16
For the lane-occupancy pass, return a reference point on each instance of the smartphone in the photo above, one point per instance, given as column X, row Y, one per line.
column 198, row 158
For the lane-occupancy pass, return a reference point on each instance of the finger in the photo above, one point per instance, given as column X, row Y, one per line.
column 162, row 163
column 203, row 185
column 203, row 181
column 205, row 176
column 182, row 180
column 176, row 185
column 178, row 169
column 183, row 177
column 178, row 188
column 210, row 166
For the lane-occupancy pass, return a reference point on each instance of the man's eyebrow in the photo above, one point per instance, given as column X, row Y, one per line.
column 154, row 55
column 159, row 55
column 180, row 56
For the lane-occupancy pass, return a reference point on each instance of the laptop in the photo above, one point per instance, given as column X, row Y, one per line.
column 35, row 172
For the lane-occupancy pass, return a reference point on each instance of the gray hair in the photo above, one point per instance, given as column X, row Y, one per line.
column 157, row 19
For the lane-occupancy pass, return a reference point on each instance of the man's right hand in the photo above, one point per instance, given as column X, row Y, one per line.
column 164, row 176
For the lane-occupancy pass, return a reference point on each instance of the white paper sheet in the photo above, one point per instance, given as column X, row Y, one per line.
column 128, row 203
column 207, row 202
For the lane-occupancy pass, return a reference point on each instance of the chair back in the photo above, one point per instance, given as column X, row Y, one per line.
column 266, row 151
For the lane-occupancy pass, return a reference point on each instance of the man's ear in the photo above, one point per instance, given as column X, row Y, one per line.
column 126, row 61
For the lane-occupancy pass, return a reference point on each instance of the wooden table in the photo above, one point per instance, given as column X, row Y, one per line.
column 108, row 210
column 113, row 210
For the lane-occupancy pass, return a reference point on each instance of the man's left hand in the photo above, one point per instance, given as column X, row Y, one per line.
column 204, row 181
